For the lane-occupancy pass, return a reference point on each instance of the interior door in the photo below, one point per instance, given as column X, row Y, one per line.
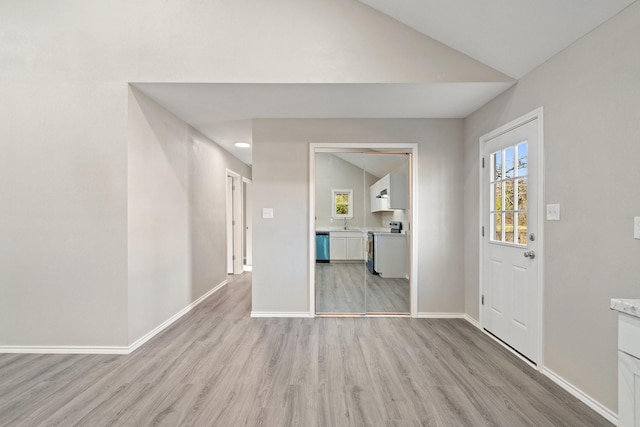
column 347, row 284
column 388, row 288
column 340, row 211
column 511, row 252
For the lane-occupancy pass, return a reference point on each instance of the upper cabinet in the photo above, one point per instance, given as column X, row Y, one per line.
column 377, row 204
column 389, row 193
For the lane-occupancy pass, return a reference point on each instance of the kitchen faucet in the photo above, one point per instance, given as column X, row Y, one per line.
column 345, row 223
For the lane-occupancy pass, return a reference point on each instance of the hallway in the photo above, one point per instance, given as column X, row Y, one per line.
column 218, row 366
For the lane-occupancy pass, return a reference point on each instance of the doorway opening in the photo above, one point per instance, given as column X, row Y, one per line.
column 247, row 229
column 363, row 230
column 234, row 223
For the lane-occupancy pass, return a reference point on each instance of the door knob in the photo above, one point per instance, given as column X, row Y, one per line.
column 530, row 254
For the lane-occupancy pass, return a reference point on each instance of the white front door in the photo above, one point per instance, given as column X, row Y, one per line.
column 511, row 251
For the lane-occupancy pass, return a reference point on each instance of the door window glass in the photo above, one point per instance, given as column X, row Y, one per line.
column 509, row 194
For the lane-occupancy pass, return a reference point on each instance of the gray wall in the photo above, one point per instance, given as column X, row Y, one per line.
column 590, row 93
column 63, row 126
column 334, row 173
column 176, row 217
column 281, row 181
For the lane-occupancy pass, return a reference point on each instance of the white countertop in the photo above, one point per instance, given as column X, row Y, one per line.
column 362, row 229
column 628, row 306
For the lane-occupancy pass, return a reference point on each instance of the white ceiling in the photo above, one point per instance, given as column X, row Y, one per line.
column 511, row 36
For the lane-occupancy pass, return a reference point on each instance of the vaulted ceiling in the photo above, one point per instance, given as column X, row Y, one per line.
column 511, row 36
column 480, row 47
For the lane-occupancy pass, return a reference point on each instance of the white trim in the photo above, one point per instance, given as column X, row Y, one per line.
column 237, row 217
column 111, row 349
column 331, row 147
column 605, row 412
column 473, row 321
column 415, row 229
column 538, row 114
column 247, row 242
column 427, row 315
column 312, row 230
column 65, row 350
column 281, row 314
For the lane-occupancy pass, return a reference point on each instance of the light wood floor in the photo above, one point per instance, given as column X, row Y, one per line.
column 218, row 367
column 351, row 288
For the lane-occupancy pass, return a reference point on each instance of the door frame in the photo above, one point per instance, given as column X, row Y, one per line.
column 247, row 222
column 536, row 114
column 413, row 243
column 234, row 246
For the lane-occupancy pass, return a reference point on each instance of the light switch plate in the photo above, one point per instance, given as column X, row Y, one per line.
column 636, row 227
column 267, row 213
column 553, row 212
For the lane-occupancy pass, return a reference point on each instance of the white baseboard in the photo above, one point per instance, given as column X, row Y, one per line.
column 110, row 349
column 65, row 350
column 281, row 314
column 426, row 315
column 164, row 325
column 608, row 414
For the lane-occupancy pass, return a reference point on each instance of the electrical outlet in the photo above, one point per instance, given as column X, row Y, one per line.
column 267, row 213
column 636, row 227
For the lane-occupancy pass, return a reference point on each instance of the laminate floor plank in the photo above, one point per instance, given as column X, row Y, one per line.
column 218, row 366
column 22, row 377
column 26, row 402
column 351, row 288
column 14, row 362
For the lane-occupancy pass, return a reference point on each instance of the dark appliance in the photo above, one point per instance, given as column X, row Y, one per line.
column 370, row 258
column 322, row 246
column 396, row 226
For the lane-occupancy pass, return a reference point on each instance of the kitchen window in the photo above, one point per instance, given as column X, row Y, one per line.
column 342, row 204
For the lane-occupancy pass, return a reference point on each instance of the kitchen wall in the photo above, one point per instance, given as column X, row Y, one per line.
column 281, row 181
column 335, row 173
column 64, row 133
column 176, row 216
column 590, row 94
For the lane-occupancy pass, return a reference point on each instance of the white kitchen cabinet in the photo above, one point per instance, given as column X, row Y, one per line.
column 394, row 185
column 377, row 204
column 628, row 362
column 391, row 255
column 628, row 370
column 337, row 248
column 346, row 246
column 355, row 248
column 628, row 390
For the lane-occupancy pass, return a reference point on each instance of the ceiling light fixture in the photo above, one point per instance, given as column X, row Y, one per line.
column 243, row 144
